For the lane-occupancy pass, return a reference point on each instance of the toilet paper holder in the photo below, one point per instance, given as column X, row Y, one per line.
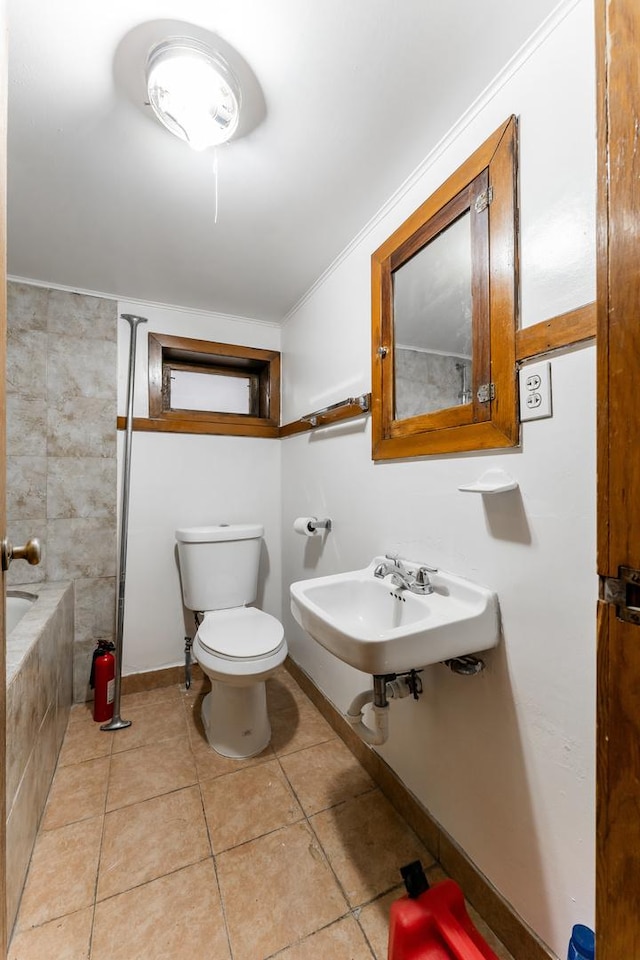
column 309, row 526
column 324, row 524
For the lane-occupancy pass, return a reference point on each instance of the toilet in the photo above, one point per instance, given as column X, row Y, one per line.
column 237, row 646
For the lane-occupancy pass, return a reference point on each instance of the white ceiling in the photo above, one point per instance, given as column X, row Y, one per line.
column 344, row 99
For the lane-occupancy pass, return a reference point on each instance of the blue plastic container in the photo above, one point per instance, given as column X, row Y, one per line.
column 582, row 945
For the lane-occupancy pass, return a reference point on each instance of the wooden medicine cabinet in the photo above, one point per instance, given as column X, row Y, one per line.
column 444, row 299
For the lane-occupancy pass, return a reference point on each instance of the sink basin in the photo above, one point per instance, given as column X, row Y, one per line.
column 379, row 628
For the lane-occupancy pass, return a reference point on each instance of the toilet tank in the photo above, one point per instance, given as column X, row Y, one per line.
column 219, row 565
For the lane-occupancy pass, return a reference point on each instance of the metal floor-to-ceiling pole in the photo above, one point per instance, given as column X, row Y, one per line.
column 116, row 722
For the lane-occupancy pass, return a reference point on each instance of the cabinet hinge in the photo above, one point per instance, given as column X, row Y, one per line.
column 483, row 200
column 623, row 592
column 486, row 392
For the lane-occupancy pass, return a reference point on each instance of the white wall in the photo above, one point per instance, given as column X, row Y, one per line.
column 188, row 480
column 504, row 761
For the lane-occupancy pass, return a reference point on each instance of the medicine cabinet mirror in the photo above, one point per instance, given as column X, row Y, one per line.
column 444, row 296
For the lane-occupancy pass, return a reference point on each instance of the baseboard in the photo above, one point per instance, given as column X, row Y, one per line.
column 511, row 929
column 137, row 682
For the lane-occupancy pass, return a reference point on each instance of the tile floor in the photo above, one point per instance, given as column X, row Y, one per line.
column 153, row 847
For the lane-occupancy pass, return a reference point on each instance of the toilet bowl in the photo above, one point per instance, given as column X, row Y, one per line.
column 234, row 714
column 237, row 646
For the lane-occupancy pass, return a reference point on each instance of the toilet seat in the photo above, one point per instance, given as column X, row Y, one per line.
column 240, row 633
column 240, row 645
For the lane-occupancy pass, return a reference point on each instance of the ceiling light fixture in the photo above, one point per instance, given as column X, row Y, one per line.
column 193, row 92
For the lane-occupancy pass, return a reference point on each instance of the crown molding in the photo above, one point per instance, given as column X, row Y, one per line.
column 526, row 51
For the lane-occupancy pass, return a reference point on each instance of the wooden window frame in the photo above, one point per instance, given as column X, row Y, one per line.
column 477, row 425
column 205, row 356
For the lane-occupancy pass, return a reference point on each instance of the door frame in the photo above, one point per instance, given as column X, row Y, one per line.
column 618, row 271
column 618, row 279
column 3, row 471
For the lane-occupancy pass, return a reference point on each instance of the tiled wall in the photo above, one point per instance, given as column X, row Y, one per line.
column 38, row 702
column 61, row 451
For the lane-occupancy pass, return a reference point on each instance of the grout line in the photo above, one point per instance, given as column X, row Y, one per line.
column 291, row 753
column 355, row 911
column 261, row 836
column 305, row 818
column 156, row 796
column 214, row 861
column 308, row 936
column 188, row 713
column 148, row 743
column 145, row 883
column 102, row 832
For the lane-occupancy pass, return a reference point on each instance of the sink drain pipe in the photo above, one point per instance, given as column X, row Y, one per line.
column 386, row 687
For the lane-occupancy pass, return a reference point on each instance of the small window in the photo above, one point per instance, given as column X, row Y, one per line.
column 209, row 390
column 234, row 388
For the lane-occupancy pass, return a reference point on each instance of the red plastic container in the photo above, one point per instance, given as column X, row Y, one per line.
column 435, row 926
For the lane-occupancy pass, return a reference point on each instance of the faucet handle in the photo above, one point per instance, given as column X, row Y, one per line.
column 394, row 557
column 422, row 579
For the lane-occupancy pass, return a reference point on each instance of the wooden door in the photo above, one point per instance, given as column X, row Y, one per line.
column 3, row 420
column 618, row 741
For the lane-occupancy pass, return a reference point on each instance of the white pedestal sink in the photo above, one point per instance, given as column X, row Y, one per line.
column 378, row 628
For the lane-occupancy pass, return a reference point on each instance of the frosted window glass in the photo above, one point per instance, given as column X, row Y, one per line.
column 210, row 392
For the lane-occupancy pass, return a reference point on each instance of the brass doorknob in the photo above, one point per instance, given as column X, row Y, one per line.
column 31, row 552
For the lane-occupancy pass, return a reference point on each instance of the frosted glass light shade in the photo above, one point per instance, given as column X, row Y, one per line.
column 193, row 92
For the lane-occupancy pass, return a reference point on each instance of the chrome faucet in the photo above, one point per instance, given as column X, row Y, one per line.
column 402, row 577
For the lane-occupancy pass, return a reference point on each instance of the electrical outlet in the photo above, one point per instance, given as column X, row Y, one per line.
column 535, row 391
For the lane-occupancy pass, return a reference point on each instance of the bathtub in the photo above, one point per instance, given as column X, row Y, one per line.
column 39, row 695
column 19, row 602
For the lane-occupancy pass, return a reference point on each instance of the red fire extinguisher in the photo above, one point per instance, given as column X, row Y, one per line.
column 103, row 671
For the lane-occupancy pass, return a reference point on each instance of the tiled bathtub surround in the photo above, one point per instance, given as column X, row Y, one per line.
column 153, row 846
column 61, row 450
column 428, row 381
column 39, row 693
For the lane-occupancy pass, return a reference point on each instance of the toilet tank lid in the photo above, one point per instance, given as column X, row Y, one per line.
column 219, row 532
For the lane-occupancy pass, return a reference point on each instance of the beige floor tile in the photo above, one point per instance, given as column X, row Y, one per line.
column 150, row 771
column 151, row 723
column 283, row 693
column 284, row 884
column 325, row 775
column 210, row 764
column 62, row 873
column 84, row 740
column 200, row 684
column 143, row 698
column 177, row 917
column 343, row 940
column 198, row 689
column 297, row 727
column 66, row 938
column 374, row 920
column 192, row 703
column 367, row 843
column 82, row 712
column 244, row 805
column 435, row 874
column 147, row 840
column 78, row 792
